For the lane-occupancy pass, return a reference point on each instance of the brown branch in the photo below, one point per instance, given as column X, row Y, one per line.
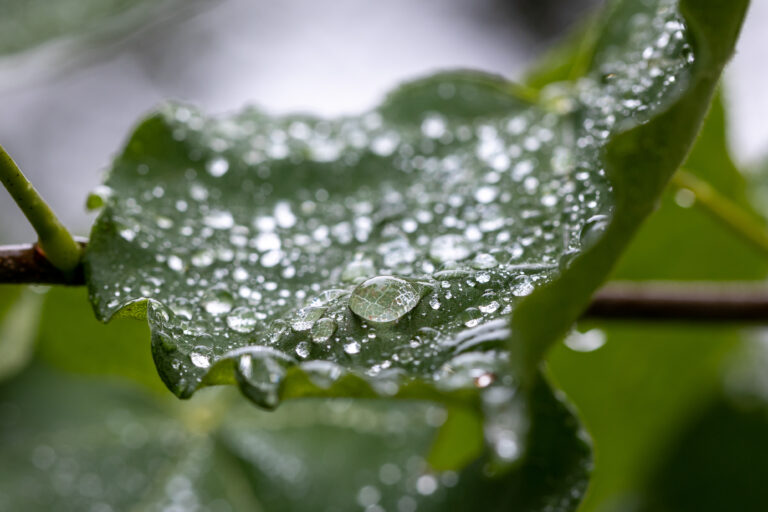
column 681, row 301
column 649, row 301
column 27, row 264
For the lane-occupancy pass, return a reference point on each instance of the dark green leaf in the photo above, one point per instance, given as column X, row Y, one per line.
column 70, row 444
column 19, row 318
column 718, row 460
column 254, row 240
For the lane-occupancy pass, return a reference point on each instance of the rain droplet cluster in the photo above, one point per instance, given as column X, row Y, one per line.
column 388, row 245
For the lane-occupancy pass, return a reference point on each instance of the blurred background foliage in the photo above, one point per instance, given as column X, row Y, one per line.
column 677, row 412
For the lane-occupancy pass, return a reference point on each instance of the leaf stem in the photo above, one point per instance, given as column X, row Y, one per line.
column 54, row 239
column 723, row 209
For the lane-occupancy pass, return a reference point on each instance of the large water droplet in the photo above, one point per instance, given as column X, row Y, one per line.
column 383, row 299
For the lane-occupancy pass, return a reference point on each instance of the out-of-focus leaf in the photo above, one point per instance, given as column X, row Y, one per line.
column 26, row 24
column 19, row 319
column 718, row 460
column 72, row 443
column 635, row 392
column 686, row 242
column 72, row 340
column 646, row 382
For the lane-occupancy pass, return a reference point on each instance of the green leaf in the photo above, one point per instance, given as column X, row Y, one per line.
column 70, row 339
column 639, row 161
column 28, row 24
column 703, row 248
column 69, row 444
column 19, row 318
column 718, row 459
column 378, row 255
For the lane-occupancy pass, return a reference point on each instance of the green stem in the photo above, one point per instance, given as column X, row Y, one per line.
column 724, row 209
column 53, row 238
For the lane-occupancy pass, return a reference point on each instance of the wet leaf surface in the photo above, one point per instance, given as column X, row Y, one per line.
column 381, row 255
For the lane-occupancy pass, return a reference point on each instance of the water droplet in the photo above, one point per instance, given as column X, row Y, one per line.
column 447, row 248
column 203, row 258
column 327, row 297
column 588, row 341
column 483, row 277
column 358, row 270
column 303, row 349
column 218, row 167
column 219, row 219
column 471, row 317
column 433, row 126
column 306, row 317
column 383, row 299
column 323, row 330
column 200, row 357
column 522, row 286
column 242, row 319
column 175, row 263
column 426, row 485
column 217, row 301
column 484, row 261
column 593, row 230
column 490, row 307
column 353, row 347
column 486, row 194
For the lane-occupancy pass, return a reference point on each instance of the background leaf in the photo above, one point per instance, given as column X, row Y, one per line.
column 19, row 317
column 27, row 24
column 73, row 445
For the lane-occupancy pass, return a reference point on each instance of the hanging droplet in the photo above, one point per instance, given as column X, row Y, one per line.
column 383, row 299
